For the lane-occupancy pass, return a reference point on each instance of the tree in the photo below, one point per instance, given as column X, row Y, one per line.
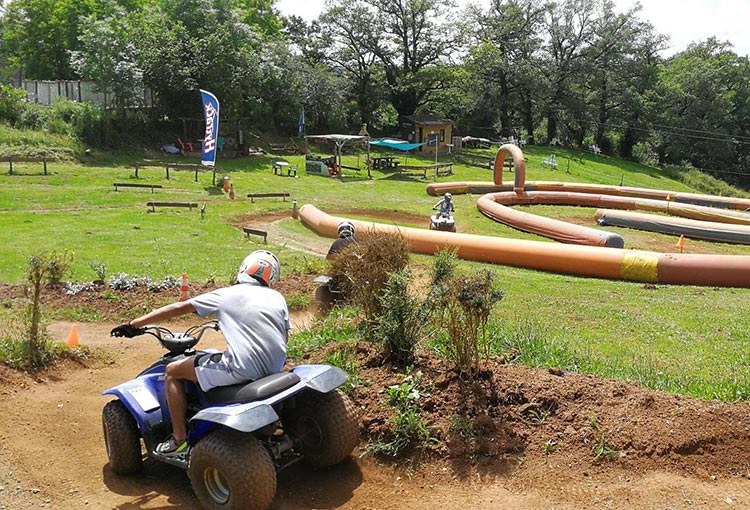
column 502, row 62
column 353, row 33
column 622, row 56
column 702, row 94
column 569, row 29
column 417, row 40
column 40, row 34
column 108, row 57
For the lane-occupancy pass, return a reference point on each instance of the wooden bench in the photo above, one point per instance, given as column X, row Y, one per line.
column 177, row 166
column 255, row 232
column 22, row 159
column 189, row 205
column 477, row 160
column 421, row 170
column 283, row 195
column 132, row 185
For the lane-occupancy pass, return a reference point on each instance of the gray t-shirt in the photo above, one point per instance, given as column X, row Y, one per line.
column 254, row 319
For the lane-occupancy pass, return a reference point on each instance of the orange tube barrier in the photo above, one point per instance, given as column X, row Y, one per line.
column 611, row 263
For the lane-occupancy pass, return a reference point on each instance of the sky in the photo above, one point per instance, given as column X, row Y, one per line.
column 684, row 21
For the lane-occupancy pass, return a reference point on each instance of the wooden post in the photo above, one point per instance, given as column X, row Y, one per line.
column 10, row 161
column 45, row 165
column 167, row 167
column 136, row 170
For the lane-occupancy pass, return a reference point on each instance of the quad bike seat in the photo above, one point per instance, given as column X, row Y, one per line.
column 254, row 390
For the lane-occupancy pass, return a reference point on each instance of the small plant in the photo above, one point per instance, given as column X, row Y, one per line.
column 122, row 281
column 399, row 326
column 601, row 449
column 58, row 265
column 100, row 269
column 347, row 361
column 461, row 425
column 410, row 429
column 73, row 288
column 537, row 417
column 298, row 301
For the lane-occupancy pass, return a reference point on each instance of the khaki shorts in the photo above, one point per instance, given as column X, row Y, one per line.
column 212, row 371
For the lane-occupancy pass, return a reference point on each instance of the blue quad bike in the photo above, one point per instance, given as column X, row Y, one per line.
column 240, row 436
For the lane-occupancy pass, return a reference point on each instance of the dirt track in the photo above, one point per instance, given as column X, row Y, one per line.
column 52, row 456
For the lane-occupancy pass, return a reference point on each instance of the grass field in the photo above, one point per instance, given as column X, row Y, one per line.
column 685, row 339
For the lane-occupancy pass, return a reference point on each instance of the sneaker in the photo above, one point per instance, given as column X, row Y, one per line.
column 170, row 447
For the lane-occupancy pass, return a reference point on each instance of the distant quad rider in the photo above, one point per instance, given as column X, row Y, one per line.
column 346, row 237
column 445, row 206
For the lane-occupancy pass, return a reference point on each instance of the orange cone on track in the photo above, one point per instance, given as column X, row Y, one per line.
column 225, row 186
column 73, row 336
column 681, row 243
column 184, row 289
column 231, row 192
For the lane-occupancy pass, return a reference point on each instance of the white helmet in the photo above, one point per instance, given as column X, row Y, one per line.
column 447, row 196
column 261, row 265
column 346, row 229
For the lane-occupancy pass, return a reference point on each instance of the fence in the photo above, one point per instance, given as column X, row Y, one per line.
column 47, row 92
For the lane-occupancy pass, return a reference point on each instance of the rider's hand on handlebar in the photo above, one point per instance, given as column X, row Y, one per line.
column 127, row 330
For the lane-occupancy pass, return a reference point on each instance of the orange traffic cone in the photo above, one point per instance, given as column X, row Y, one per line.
column 73, row 336
column 681, row 243
column 184, row 290
column 225, row 186
column 231, row 192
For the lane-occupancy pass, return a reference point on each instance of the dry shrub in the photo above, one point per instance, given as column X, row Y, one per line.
column 362, row 268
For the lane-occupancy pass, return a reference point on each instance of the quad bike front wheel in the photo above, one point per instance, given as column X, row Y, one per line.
column 121, row 438
column 325, row 425
column 233, row 471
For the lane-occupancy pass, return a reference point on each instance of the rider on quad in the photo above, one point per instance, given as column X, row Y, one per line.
column 255, row 321
column 445, row 206
column 346, row 237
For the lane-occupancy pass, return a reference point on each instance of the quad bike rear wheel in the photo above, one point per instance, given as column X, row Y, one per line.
column 325, row 424
column 121, row 438
column 232, row 471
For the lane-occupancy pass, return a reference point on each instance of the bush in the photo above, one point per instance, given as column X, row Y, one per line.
column 399, row 326
column 361, row 270
column 462, row 306
column 12, row 104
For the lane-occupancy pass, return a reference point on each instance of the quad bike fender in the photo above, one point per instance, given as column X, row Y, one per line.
column 246, row 417
column 321, row 378
column 140, row 398
column 256, row 415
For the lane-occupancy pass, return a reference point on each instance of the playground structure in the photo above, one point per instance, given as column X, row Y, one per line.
column 586, row 251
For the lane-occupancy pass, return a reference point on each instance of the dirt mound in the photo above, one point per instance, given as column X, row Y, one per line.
column 514, row 414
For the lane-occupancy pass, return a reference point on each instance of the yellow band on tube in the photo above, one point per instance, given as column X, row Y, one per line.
column 640, row 266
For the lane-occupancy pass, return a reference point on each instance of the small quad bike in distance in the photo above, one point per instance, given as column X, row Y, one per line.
column 442, row 221
column 239, row 436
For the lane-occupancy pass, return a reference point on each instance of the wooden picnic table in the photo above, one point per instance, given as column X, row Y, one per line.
column 384, row 163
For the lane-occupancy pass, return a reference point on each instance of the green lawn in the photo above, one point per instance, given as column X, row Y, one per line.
column 685, row 339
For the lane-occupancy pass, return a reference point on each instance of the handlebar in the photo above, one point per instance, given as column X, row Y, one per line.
column 161, row 333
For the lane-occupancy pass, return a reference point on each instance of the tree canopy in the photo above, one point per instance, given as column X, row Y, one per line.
column 579, row 71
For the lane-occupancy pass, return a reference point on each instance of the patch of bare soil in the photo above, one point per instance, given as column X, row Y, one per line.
column 517, row 437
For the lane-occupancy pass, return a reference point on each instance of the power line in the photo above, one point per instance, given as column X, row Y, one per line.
column 722, row 138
